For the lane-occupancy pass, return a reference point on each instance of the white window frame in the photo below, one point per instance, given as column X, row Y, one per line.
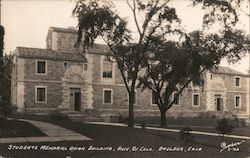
column 113, row 69
column 36, row 87
column 135, row 97
column 239, row 81
column 151, row 99
column 239, row 101
column 103, row 91
column 199, row 96
column 178, row 100
column 46, row 63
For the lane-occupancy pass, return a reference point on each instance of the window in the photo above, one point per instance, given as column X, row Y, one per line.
column 85, row 67
column 211, row 77
column 176, row 102
column 196, row 100
column 237, row 81
column 41, row 67
column 237, row 101
column 107, row 96
column 107, row 69
column 65, row 65
column 41, row 94
column 153, row 98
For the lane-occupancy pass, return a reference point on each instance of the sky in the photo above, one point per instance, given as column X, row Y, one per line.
column 27, row 22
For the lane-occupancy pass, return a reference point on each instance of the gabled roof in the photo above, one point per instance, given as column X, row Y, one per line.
column 38, row 53
column 228, row 71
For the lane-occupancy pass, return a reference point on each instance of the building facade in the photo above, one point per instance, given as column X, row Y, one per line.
column 60, row 78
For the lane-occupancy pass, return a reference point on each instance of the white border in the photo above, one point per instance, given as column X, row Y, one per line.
column 235, row 101
column 46, row 65
column 107, row 89
column 36, row 94
column 193, row 100
column 106, row 79
column 235, row 81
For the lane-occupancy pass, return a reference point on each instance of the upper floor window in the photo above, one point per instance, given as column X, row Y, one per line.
column 196, row 99
column 41, row 94
column 237, row 101
column 107, row 71
column 41, row 67
column 237, row 81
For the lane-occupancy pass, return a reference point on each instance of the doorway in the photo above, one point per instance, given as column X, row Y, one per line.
column 75, row 99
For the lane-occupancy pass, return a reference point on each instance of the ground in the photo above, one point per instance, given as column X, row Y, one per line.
column 147, row 143
column 15, row 128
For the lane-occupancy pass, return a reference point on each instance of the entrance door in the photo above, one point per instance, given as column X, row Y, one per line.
column 75, row 99
column 219, row 103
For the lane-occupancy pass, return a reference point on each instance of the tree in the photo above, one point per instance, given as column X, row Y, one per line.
column 172, row 66
column 170, row 69
column 195, row 53
column 97, row 19
column 5, row 85
column 6, row 61
column 224, row 126
column 1, row 62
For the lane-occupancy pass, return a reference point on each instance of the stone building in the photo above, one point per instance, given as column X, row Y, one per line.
column 60, row 78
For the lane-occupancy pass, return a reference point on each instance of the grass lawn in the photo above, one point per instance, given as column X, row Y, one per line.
column 15, row 128
column 115, row 138
column 197, row 124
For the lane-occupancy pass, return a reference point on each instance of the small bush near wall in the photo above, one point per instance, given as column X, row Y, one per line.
column 224, row 126
column 185, row 134
column 58, row 116
column 3, row 121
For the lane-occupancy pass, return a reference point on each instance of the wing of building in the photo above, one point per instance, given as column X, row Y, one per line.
column 60, row 78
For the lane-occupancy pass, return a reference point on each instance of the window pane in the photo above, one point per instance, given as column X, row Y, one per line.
column 41, row 94
column 237, row 81
column 154, row 98
column 177, row 100
column 196, row 99
column 107, row 69
column 237, row 101
column 41, row 65
column 107, row 96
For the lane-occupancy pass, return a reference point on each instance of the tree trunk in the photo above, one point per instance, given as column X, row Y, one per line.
column 163, row 118
column 131, row 109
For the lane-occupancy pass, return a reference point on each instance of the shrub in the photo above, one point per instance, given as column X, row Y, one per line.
column 120, row 119
column 224, row 126
column 143, row 125
column 3, row 121
column 185, row 134
column 58, row 116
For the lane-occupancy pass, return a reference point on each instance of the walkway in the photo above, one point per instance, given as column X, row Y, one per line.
column 171, row 130
column 54, row 133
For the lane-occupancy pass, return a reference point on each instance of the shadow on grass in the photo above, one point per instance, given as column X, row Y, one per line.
column 15, row 128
